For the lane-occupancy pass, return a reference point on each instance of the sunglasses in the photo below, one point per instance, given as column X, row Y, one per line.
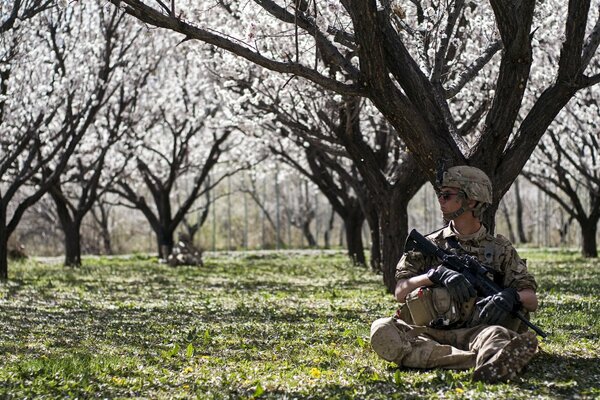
column 445, row 195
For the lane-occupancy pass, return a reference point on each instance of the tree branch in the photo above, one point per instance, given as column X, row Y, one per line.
column 153, row 17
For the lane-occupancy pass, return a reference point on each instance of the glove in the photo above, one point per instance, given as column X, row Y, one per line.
column 458, row 286
column 495, row 308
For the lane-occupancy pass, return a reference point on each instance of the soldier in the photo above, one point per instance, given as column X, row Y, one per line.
column 441, row 323
column 185, row 253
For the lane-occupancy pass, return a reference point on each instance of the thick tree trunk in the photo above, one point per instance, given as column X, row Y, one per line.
column 588, row 236
column 164, row 239
column 489, row 218
column 71, row 230
column 393, row 230
column 72, row 233
column 353, row 226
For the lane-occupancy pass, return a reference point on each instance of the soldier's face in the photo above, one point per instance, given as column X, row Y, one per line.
column 449, row 199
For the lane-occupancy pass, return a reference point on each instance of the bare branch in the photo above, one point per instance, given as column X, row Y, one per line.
column 591, row 45
column 151, row 16
column 471, row 72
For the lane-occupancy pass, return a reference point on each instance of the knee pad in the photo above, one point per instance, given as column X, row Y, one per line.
column 389, row 341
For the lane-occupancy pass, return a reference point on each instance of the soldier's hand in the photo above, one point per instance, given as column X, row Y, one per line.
column 458, row 286
column 495, row 308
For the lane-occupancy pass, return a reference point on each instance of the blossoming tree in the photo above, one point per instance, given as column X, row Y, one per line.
column 57, row 75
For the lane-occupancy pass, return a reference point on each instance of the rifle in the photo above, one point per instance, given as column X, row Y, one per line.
column 470, row 268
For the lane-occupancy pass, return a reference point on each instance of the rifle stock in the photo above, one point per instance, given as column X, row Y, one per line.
column 470, row 268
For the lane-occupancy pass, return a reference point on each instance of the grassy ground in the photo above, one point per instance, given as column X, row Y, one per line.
column 258, row 325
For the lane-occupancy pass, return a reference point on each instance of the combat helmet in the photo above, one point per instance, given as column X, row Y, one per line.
column 473, row 184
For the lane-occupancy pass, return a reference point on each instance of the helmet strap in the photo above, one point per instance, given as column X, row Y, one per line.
column 456, row 214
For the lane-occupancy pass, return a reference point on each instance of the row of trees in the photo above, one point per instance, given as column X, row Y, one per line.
column 421, row 65
column 370, row 100
column 91, row 104
column 274, row 207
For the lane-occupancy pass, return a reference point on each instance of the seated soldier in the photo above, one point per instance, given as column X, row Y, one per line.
column 441, row 323
column 185, row 253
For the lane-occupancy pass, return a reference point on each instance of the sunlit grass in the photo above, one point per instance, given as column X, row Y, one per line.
column 268, row 325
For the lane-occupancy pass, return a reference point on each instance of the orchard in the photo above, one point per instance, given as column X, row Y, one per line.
column 168, row 168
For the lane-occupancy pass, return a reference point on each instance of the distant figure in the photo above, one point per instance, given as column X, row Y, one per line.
column 442, row 323
column 185, row 253
column 17, row 252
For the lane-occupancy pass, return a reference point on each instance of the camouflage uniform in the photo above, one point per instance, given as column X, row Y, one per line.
column 496, row 252
column 465, row 344
column 185, row 253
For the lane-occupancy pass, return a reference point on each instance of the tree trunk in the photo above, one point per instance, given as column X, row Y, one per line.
column 489, row 218
column 106, row 240
column 71, row 230
column 104, row 223
column 393, row 230
column 165, row 242
column 100, row 213
column 72, row 239
column 308, row 234
column 353, row 227
column 506, row 214
column 328, row 229
column 3, row 245
column 3, row 255
column 519, row 211
column 373, row 222
column 588, row 236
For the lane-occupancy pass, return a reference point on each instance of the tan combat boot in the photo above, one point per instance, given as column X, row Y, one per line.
column 509, row 361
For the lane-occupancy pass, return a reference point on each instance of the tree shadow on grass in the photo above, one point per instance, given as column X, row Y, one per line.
column 563, row 375
column 379, row 390
column 149, row 331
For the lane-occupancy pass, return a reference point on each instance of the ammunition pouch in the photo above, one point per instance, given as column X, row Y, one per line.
column 433, row 307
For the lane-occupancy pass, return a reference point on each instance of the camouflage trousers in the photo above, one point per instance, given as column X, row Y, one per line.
column 423, row 347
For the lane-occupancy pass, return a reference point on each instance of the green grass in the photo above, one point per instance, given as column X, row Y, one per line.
column 258, row 326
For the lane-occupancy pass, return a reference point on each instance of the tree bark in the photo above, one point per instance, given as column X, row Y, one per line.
column 71, row 229
column 328, row 229
column 104, row 223
column 519, row 213
column 165, row 242
column 3, row 245
column 72, row 245
column 509, row 227
column 489, row 217
column 308, row 234
column 106, row 241
column 393, row 230
column 353, row 227
column 588, row 237
column 373, row 221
